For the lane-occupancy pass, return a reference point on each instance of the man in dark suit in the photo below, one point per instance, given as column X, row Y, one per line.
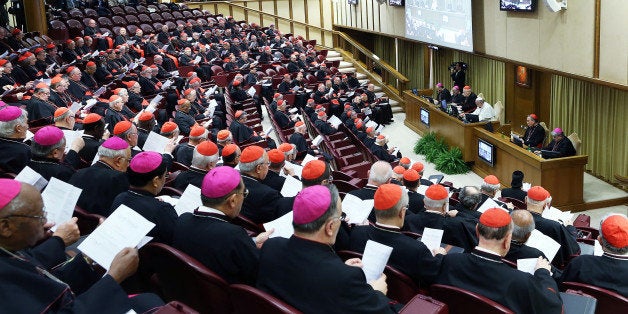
column 104, row 180
column 48, row 148
column 560, row 144
column 328, row 285
column 184, row 152
column 38, row 106
column 420, row 167
column 442, row 94
column 93, row 130
column 534, row 135
column 380, row 149
column 483, row 272
column 458, row 76
column 412, row 180
column 469, row 199
column 515, row 191
column 233, row 255
column 13, row 126
column 563, row 233
column 204, row 158
column 277, row 162
column 609, row 271
column 282, row 119
column 263, row 204
column 322, row 125
column 409, row 256
column 456, row 230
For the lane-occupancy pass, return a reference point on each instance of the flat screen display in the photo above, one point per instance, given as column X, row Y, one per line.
column 517, row 5
column 395, row 3
column 425, row 116
column 486, row 152
column 352, row 1
column 444, row 23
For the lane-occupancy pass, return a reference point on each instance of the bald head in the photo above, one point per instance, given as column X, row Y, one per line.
column 380, row 173
column 523, row 224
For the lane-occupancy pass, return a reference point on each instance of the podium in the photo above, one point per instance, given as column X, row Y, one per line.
column 562, row 177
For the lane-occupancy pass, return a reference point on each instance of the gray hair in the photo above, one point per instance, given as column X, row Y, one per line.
column 44, row 150
column 7, row 129
column 250, row 166
column 470, row 196
column 521, row 232
column 607, row 246
column 111, row 153
column 490, row 188
column 201, row 161
column 394, row 211
column 63, row 116
column 430, row 203
column 380, row 173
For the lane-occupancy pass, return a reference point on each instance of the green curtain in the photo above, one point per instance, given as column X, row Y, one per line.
column 411, row 56
column 484, row 75
column 384, row 48
column 598, row 114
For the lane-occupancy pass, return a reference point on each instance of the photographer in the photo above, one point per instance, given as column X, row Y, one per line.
column 457, row 73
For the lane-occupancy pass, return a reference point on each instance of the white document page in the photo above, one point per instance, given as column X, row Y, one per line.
column 357, row 210
column 597, row 249
column 317, row 140
column 251, row 91
column 291, row 187
column 143, row 242
column 123, row 228
column 282, row 225
column 488, row 204
column 334, row 121
column 307, row 159
column 166, row 84
column 298, row 170
column 70, row 136
column 545, row 244
column 155, row 143
column 556, row 214
column 59, row 200
column 421, row 189
column 76, row 106
column 526, row 265
column 432, row 238
column 29, row 135
column 30, row 176
column 374, row 259
column 189, row 201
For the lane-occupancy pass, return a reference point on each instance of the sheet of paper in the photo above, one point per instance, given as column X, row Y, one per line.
column 155, row 143
column 189, row 201
column 374, row 259
column 251, row 91
column 29, row 135
column 30, row 176
column 269, row 130
column 282, row 225
column 432, row 238
column 96, row 158
column 166, row 84
column 545, row 244
column 59, row 200
column 99, row 92
column 76, row 106
column 293, row 110
column 334, row 121
column 91, row 102
column 489, row 203
column 597, row 249
column 556, row 214
column 371, row 124
column 317, row 140
column 168, row 199
column 526, row 265
column 143, row 242
column 298, row 169
column 123, row 228
column 307, row 159
column 291, row 187
column 421, row 189
column 155, row 101
column 70, row 136
column 357, row 210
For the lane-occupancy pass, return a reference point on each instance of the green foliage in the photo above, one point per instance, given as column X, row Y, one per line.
column 447, row 160
column 450, row 162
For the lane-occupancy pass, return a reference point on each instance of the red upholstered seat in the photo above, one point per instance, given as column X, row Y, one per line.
column 461, row 301
column 425, row 305
column 246, row 299
column 87, row 221
column 156, row 17
column 130, row 10
column 132, row 19
column 75, row 28
column 105, row 22
column 76, row 13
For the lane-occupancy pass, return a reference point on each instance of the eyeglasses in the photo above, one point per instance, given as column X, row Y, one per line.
column 244, row 193
column 342, row 217
column 43, row 218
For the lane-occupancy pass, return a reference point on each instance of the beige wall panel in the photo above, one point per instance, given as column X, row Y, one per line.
column 238, row 14
column 299, row 30
column 614, row 42
column 522, row 39
column 284, row 26
column 314, row 13
column 375, row 17
column 494, row 41
column 550, row 40
column 268, row 7
column 254, row 17
column 223, row 9
column 298, row 10
column 578, row 38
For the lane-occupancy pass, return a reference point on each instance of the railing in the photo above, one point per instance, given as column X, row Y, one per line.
column 389, row 76
column 393, row 82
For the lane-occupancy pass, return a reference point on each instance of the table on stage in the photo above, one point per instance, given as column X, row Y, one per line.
column 562, row 177
column 455, row 132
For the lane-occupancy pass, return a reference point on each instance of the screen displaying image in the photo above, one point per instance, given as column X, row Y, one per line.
column 395, row 2
column 486, row 152
column 352, row 1
column 517, row 5
column 425, row 116
column 444, row 23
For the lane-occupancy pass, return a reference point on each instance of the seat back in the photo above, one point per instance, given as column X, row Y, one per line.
column 118, row 20
column 132, row 19
column 575, row 140
column 548, row 136
column 178, row 276
column 424, row 304
column 607, row 301
column 461, row 301
column 246, row 299
column 500, row 114
column 87, row 221
column 400, row 287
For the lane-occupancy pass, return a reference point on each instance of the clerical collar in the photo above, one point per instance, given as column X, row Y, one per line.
column 244, row 175
column 388, row 228
column 623, row 257
column 434, row 212
column 485, row 250
column 208, row 212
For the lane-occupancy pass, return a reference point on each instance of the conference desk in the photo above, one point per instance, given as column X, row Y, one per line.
column 562, row 177
column 455, row 132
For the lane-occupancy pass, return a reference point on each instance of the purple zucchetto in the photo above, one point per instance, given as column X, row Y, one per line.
column 48, row 136
column 310, row 204
column 9, row 190
column 10, row 113
column 220, row 181
column 145, row 162
column 115, row 143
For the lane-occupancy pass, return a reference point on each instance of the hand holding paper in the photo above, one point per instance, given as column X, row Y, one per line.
column 374, row 259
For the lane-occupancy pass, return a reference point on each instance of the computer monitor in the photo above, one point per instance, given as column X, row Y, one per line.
column 486, row 152
column 425, row 117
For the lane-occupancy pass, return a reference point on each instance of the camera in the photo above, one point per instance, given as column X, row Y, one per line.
column 463, row 66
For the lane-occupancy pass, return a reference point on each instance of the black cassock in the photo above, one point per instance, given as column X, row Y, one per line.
column 100, row 184
column 486, row 274
column 162, row 214
column 15, row 155
column 242, row 133
column 50, row 167
column 608, row 271
column 232, row 253
column 38, row 109
column 274, row 180
column 415, row 202
column 457, row 231
column 263, row 202
column 409, row 256
column 90, row 149
column 27, row 289
column 183, row 153
column 566, row 236
column 311, row 277
column 193, row 176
